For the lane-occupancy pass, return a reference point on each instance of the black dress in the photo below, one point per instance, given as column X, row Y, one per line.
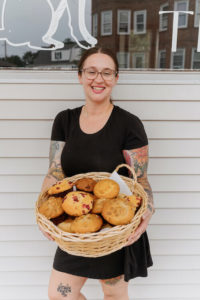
column 101, row 152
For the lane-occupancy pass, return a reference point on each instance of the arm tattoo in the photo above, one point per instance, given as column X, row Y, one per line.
column 55, row 169
column 64, row 289
column 138, row 160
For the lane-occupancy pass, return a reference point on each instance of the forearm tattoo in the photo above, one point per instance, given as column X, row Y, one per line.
column 64, row 290
column 55, row 169
column 138, row 160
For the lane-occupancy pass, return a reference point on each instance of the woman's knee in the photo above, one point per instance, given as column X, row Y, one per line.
column 115, row 288
column 62, row 286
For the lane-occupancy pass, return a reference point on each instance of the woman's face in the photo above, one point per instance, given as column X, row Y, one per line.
column 98, row 89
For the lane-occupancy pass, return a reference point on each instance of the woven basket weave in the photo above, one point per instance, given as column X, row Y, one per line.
column 98, row 243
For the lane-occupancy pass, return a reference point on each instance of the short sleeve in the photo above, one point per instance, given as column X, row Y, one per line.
column 58, row 132
column 135, row 133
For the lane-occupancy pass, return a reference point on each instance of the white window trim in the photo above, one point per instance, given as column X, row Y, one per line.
column 172, row 55
column 138, row 54
column 102, row 31
column 197, row 9
column 128, row 58
column 192, row 58
column 139, row 12
column 118, row 21
column 161, row 17
column 95, row 19
column 159, row 55
column 187, row 8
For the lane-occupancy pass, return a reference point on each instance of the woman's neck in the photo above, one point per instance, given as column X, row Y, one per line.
column 96, row 109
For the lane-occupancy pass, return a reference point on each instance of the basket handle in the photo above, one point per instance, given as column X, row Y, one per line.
column 128, row 167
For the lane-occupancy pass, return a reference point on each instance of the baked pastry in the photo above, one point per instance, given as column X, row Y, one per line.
column 77, row 203
column 85, row 184
column 66, row 225
column 106, row 188
column 87, row 223
column 134, row 199
column 98, row 205
column 52, row 207
column 60, row 186
column 118, row 211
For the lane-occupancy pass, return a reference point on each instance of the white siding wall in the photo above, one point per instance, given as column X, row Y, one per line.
column 169, row 106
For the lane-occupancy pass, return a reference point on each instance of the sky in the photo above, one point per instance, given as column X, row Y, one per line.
column 29, row 20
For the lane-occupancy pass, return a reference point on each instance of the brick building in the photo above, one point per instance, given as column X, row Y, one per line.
column 142, row 38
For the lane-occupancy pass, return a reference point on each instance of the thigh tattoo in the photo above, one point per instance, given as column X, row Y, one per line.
column 64, row 289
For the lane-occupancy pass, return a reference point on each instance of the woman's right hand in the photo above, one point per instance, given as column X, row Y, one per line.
column 46, row 234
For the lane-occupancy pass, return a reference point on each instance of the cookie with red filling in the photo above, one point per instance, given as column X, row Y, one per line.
column 77, row 203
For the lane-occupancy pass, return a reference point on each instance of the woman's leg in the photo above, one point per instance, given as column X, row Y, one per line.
column 65, row 286
column 115, row 288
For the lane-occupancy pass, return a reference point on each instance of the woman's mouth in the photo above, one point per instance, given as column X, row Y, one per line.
column 98, row 89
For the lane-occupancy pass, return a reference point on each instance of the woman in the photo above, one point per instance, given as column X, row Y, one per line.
column 98, row 136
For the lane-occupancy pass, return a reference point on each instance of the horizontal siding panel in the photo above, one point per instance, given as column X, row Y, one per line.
column 154, row 277
column 158, row 148
column 162, row 216
column 146, row 110
column 38, row 91
column 155, row 129
column 150, row 292
column 47, row 248
column 32, row 183
column 162, row 200
column 39, row 166
column 44, row 263
column 155, row 232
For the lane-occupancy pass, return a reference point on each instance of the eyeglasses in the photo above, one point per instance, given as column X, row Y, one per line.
column 106, row 74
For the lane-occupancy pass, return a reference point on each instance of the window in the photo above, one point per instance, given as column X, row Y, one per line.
column 140, row 22
column 164, row 17
column 106, row 22
column 123, row 21
column 178, row 59
column 162, row 59
column 139, row 60
column 58, row 55
column 197, row 14
column 95, row 25
column 183, row 18
column 195, row 59
column 123, row 58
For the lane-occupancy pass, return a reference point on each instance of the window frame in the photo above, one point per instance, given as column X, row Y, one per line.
column 162, row 16
column 186, row 15
column 172, row 59
column 196, row 17
column 159, row 57
column 127, row 59
column 102, row 23
column 192, row 58
column 134, row 57
column 95, row 24
column 118, row 21
column 140, row 12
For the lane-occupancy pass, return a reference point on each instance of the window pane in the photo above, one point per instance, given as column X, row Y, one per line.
column 38, row 34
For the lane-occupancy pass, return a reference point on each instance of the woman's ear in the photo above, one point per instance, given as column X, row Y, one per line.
column 80, row 78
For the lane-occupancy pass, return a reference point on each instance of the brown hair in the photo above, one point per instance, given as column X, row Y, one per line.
column 94, row 50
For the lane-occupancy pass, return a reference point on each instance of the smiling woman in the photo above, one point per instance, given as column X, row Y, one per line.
column 97, row 137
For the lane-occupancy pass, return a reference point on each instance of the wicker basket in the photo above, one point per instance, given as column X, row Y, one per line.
column 98, row 243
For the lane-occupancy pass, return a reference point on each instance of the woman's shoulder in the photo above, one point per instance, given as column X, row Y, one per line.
column 127, row 116
column 66, row 113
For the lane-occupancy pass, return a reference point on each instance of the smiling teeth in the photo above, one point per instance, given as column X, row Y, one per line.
column 97, row 88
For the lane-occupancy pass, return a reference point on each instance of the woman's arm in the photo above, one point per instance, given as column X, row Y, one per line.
column 55, row 172
column 138, row 160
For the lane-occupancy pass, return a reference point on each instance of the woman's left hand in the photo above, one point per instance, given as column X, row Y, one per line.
column 141, row 228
